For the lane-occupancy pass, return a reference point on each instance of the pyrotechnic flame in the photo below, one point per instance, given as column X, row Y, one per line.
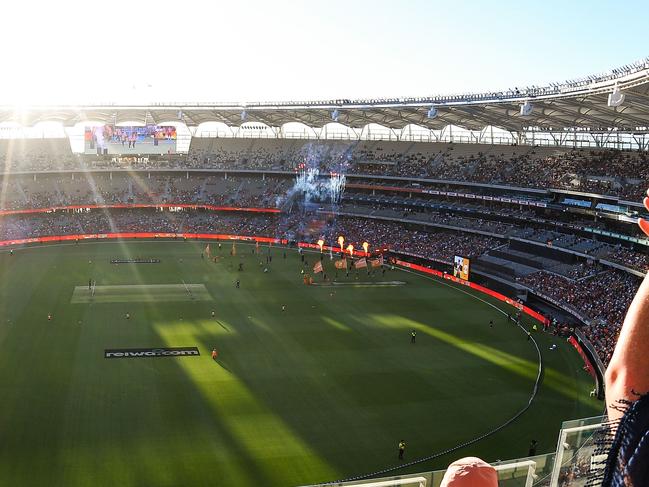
column 366, row 247
column 320, row 244
column 350, row 249
column 341, row 242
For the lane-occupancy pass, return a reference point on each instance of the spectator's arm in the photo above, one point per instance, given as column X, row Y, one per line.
column 627, row 375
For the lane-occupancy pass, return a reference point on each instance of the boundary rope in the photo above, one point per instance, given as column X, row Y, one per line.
column 535, row 389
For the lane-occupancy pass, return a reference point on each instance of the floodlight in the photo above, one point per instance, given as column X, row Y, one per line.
column 526, row 109
column 616, row 98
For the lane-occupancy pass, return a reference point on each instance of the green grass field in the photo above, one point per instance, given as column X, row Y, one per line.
column 319, row 392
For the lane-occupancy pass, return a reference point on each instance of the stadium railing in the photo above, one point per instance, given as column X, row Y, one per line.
column 521, row 472
column 568, row 466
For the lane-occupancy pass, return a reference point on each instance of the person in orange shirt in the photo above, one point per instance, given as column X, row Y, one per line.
column 215, row 354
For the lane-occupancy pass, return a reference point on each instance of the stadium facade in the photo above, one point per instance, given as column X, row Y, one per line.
column 605, row 110
column 528, row 185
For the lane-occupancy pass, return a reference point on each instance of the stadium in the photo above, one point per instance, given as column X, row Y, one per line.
column 318, row 292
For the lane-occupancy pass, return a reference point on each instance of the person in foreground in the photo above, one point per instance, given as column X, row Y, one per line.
column 470, row 472
column 626, row 441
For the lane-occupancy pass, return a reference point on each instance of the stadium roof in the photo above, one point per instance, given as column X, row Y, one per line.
column 578, row 104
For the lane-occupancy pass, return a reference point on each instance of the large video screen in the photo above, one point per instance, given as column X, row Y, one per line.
column 461, row 267
column 112, row 139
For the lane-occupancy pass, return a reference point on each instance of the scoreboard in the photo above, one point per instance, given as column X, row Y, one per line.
column 461, row 267
column 118, row 140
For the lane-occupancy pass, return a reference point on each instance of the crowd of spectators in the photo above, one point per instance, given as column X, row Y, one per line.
column 141, row 220
column 37, row 155
column 623, row 174
column 57, row 190
column 582, row 271
column 281, row 156
column 619, row 173
column 437, row 245
column 440, row 245
column 616, row 253
column 445, row 218
column 602, row 299
column 624, row 256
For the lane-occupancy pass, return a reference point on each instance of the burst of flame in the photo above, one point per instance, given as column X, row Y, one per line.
column 366, row 247
column 341, row 242
column 320, row 244
column 350, row 249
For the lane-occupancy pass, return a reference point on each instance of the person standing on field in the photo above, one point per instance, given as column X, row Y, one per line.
column 402, row 448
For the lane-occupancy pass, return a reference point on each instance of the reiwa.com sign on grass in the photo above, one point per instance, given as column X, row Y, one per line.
column 151, row 352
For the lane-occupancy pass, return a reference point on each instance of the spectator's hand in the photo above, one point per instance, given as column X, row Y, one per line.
column 644, row 224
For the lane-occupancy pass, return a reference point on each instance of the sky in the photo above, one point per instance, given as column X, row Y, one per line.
column 71, row 51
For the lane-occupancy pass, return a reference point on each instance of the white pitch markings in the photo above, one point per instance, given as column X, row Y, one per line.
column 133, row 293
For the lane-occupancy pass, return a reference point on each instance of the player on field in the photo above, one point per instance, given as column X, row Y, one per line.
column 215, row 354
column 237, row 284
column 402, row 448
column 413, row 336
